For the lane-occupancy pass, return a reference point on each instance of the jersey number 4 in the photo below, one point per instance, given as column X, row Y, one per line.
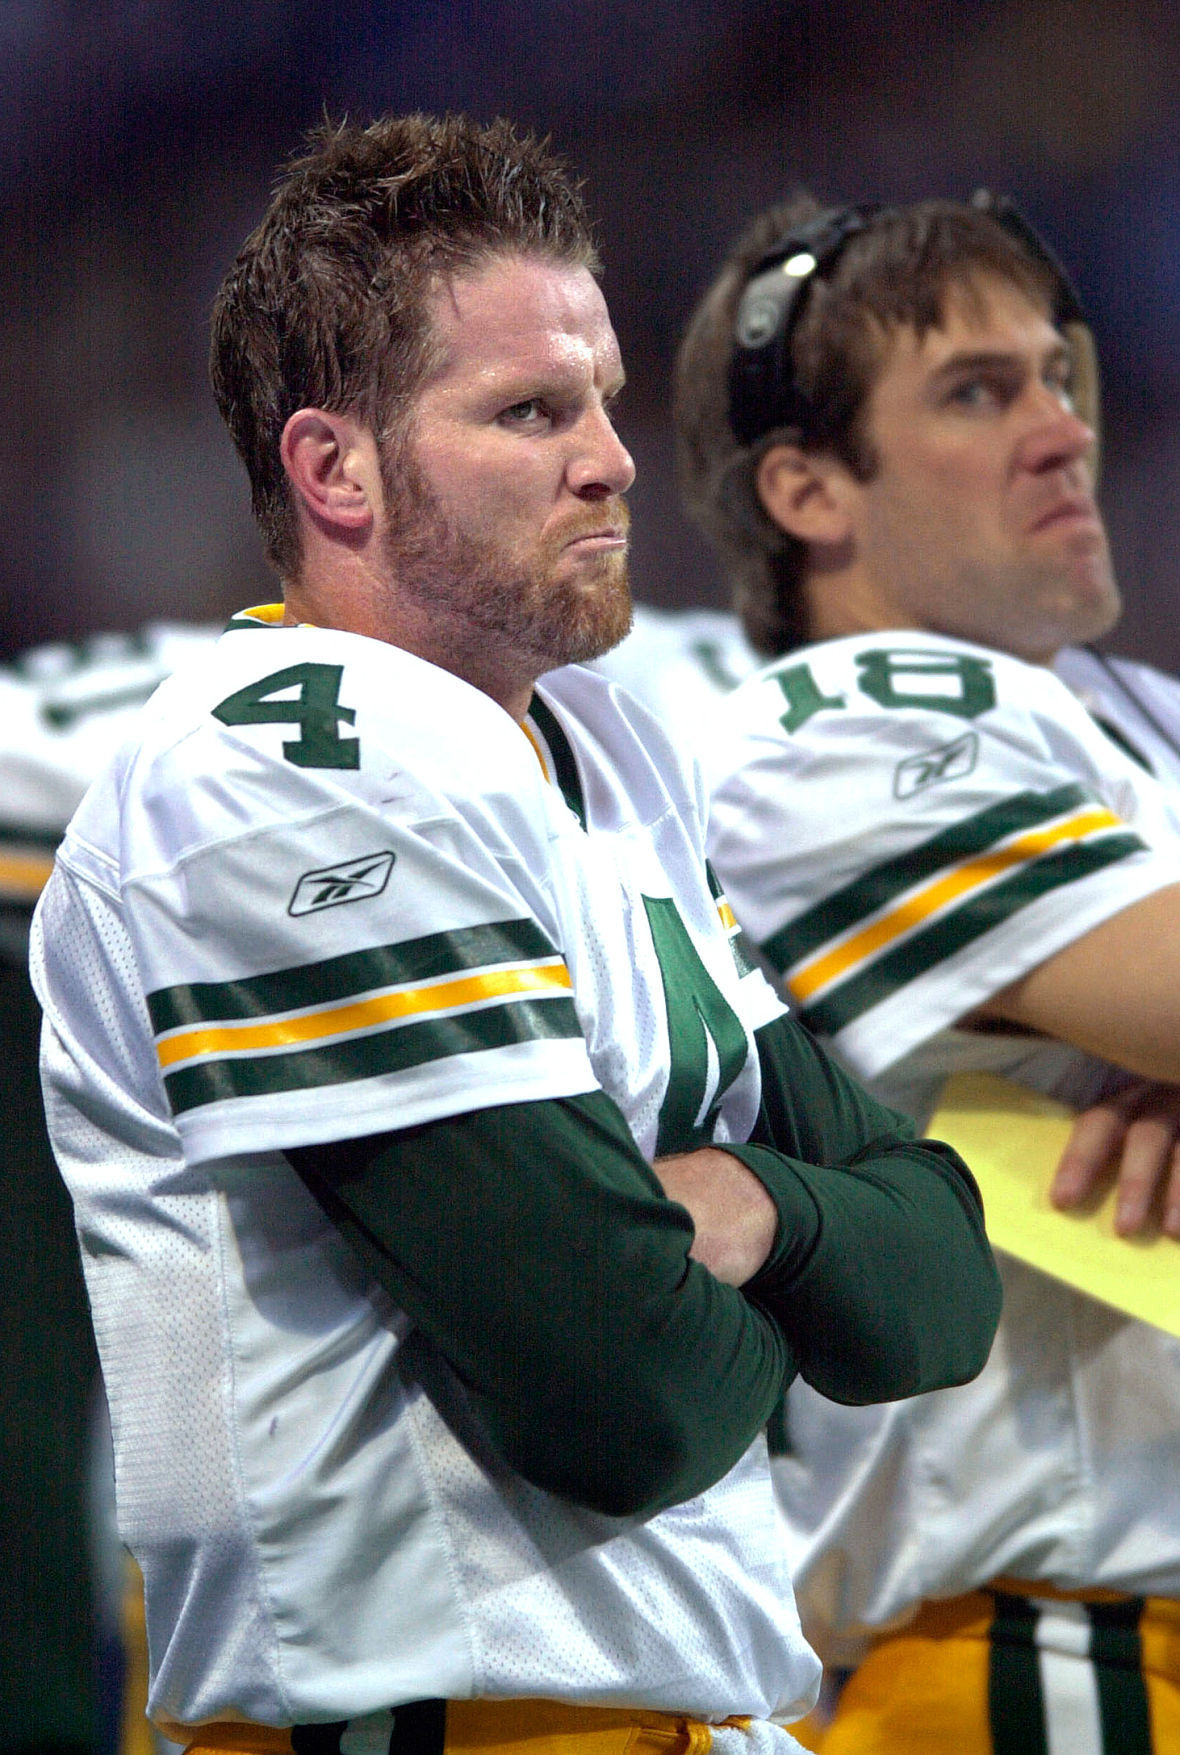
column 310, row 699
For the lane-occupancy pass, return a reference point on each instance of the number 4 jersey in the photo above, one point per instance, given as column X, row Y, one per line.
column 332, row 890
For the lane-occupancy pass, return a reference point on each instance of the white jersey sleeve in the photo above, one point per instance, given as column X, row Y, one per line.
column 326, row 935
column 906, row 823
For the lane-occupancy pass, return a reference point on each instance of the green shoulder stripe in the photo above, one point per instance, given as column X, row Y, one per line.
column 877, row 887
column 961, row 926
column 366, row 1057
column 564, row 760
column 341, row 978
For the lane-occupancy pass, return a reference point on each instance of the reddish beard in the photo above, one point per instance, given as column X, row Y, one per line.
column 525, row 604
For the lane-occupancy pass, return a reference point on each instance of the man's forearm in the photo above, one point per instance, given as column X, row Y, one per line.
column 882, row 1278
column 1114, row 992
column 533, row 1246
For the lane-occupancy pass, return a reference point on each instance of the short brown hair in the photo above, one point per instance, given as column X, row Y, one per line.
column 326, row 304
column 896, row 272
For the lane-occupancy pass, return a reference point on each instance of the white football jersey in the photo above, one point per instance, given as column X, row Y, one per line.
column 64, row 711
column 1136, row 702
column 904, row 824
column 679, row 662
column 330, row 890
column 907, row 823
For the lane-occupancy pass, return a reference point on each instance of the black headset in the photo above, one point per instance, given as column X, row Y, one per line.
column 763, row 394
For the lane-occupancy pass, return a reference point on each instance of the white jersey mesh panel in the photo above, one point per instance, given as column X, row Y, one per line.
column 150, row 1243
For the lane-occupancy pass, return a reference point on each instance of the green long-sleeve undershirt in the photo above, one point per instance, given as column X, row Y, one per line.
column 534, row 1247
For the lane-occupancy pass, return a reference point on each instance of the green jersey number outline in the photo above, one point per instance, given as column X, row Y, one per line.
column 316, row 710
column 707, row 1040
column 881, row 673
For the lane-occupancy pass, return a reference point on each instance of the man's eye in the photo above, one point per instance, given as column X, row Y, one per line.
column 973, row 393
column 524, row 413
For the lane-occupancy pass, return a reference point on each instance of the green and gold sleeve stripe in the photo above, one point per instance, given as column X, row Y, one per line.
column 383, row 1008
column 910, row 913
column 399, row 1050
column 348, row 1017
column 339, row 980
column 875, row 888
column 962, row 926
column 928, row 899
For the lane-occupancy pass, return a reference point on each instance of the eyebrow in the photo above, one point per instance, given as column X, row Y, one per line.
column 989, row 358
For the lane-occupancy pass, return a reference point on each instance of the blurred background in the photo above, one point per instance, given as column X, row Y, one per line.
column 138, row 139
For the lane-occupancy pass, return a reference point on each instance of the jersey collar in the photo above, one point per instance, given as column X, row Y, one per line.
column 557, row 755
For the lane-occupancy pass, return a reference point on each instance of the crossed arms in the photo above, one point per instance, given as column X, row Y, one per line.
column 543, row 1259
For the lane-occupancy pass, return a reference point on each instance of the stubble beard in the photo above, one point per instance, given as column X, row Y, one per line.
column 497, row 603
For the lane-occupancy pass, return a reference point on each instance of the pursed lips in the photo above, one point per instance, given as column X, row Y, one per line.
column 599, row 539
column 608, row 532
column 1071, row 508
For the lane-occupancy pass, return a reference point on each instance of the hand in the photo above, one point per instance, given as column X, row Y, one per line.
column 736, row 1220
column 1134, row 1139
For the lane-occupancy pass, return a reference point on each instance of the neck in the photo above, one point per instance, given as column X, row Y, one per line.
column 842, row 599
column 427, row 634
column 839, row 604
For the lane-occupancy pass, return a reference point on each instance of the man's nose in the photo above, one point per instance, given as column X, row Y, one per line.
column 1056, row 436
column 601, row 465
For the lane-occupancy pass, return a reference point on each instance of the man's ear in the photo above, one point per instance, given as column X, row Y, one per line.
column 802, row 493
column 333, row 466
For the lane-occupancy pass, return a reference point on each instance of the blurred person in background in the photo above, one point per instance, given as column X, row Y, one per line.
column 950, row 866
column 65, row 1639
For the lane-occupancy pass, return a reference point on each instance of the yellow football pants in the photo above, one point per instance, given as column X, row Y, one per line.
column 468, row 1727
column 1019, row 1669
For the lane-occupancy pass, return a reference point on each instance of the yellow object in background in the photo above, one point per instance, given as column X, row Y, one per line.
column 1012, row 1139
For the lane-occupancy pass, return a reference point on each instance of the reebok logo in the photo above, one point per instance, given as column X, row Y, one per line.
column 950, row 761
column 353, row 880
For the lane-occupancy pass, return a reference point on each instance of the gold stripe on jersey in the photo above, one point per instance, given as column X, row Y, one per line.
column 323, row 1026
column 738, row 943
column 23, row 875
column 863, row 942
column 386, row 1009
column 807, row 979
column 537, row 750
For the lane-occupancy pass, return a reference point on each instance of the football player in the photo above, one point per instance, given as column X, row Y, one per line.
column 455, row 1199
column 950, row 865
column 64, row 709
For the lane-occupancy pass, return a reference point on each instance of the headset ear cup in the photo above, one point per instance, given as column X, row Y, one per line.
column 1087, row 396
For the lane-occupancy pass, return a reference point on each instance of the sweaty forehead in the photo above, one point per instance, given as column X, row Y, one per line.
column 520, row 313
